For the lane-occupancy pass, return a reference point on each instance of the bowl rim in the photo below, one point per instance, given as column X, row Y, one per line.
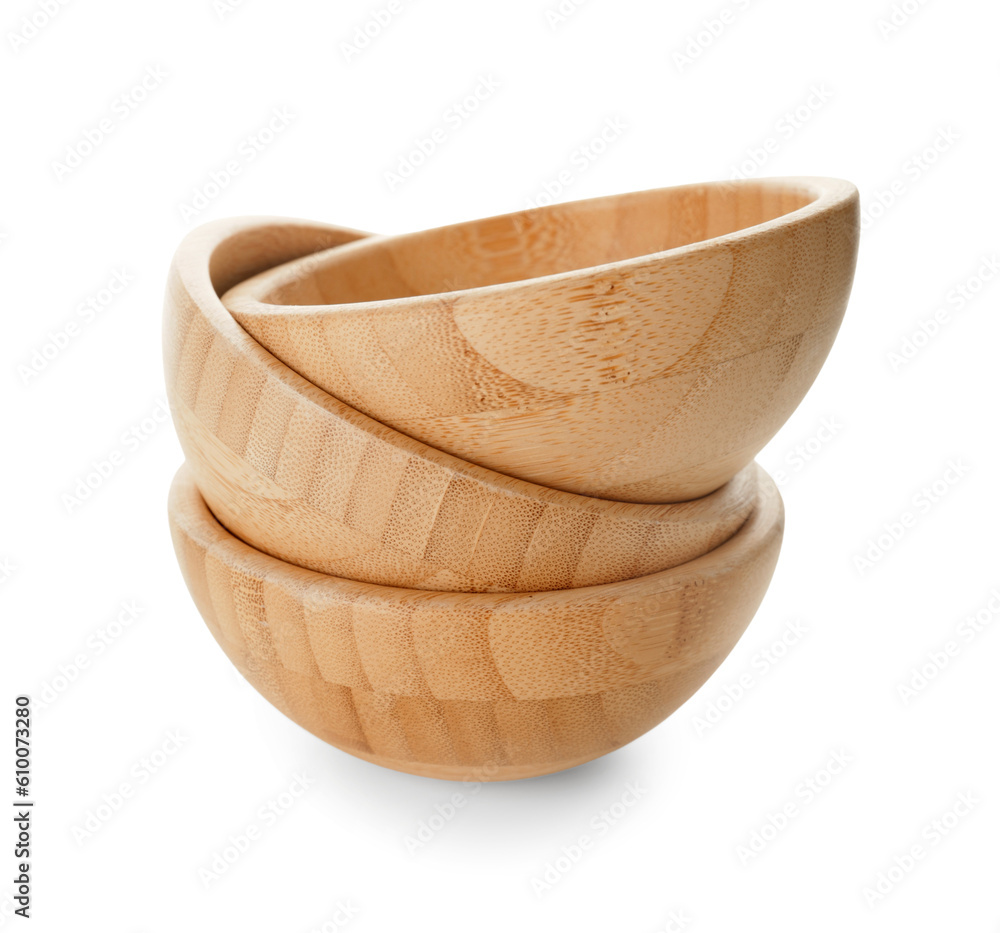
column 828, row 194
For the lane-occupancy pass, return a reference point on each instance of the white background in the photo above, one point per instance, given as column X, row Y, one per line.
column 908, row 113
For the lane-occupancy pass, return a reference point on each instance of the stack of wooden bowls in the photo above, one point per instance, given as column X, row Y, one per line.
column 480, row 502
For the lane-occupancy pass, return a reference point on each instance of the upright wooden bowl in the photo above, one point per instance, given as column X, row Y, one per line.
column 642, row 347
column 483, row 686
column 301, row 476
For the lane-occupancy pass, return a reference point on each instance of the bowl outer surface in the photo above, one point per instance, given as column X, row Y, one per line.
column 452, row 685
column 652, row 378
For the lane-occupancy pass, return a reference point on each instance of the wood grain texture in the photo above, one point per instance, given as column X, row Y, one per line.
column 300, row 475
column 480, row 686
column 642, row 347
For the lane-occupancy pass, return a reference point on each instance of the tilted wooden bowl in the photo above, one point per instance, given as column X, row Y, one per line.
column 300, row 475
column 480, row 686
column 642, row 347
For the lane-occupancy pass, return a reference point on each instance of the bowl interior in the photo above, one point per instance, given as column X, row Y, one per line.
column 538, row 242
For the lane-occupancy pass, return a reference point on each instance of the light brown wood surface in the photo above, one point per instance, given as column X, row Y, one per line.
column 479, row 686
column 302, row 476
column 642, row 347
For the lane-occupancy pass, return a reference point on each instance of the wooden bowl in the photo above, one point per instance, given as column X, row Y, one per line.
column 475, row 686
column 642, row 347
column 301, row 476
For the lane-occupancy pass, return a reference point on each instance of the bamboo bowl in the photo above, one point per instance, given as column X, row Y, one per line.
column 303, row 477
column 641, row 348
column 480, row 686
